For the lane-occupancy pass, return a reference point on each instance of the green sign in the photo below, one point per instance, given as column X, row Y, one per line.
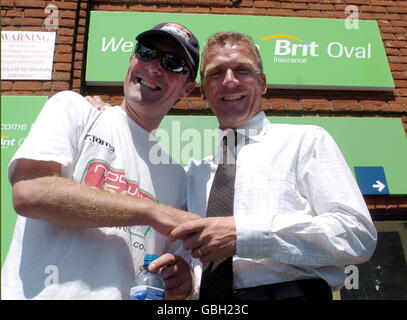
column 296, row 52
column 364, row 142
column 17, row 116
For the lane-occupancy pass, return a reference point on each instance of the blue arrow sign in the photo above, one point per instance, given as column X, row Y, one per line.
column 371, row 180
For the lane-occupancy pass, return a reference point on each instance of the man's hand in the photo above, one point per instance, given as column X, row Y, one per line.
column 97, row 102
column 210, row 239
column 166, row 218
column 177, row 275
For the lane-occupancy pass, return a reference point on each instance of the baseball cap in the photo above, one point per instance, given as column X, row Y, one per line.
column 181, row 35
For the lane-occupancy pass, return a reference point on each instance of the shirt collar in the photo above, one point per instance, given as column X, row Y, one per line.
column 254, row 129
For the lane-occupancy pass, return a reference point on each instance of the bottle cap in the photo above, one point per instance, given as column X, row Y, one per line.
column 148, row 259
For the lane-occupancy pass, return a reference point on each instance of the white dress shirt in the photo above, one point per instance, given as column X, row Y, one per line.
column 299, row 213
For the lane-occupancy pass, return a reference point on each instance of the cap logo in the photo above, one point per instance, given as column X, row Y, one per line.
column 177, row 30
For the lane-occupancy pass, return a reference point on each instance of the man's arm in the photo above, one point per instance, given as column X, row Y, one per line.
column 40, row 193
column 332, row 226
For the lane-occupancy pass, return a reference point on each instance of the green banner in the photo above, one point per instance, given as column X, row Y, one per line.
column 364, row 142
column 297, row 52
column 17, row 116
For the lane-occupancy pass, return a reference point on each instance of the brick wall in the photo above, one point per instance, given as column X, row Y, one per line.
column 30, row 15
column 70, row 52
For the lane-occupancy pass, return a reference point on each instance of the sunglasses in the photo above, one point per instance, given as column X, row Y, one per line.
column 169, row 61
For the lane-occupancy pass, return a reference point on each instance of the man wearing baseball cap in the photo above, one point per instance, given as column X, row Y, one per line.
column 90, row 201
column 182, row 36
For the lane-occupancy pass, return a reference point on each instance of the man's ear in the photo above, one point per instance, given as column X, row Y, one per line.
column 188, row 88
column 263, row 84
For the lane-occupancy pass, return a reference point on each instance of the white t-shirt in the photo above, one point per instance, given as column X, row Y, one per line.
column 105, row 150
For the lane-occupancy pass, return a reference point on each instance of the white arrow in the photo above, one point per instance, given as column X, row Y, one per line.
column 379, row 185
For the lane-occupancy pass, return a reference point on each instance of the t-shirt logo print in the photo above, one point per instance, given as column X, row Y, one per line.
column 100, row 175
column 178, row 30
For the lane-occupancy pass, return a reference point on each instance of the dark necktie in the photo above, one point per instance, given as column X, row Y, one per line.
column 217, row 283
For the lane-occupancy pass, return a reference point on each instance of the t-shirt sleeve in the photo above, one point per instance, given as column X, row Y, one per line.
column 55, row 134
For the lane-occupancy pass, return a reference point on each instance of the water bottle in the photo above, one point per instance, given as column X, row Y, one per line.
column 147, row 285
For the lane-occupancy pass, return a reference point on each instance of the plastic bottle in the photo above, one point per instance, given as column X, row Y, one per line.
column 147, row 285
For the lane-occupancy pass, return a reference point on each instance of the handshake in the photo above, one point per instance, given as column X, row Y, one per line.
column 209, row 239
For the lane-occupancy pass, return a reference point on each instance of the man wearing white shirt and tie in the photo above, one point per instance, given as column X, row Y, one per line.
column 296, row 216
